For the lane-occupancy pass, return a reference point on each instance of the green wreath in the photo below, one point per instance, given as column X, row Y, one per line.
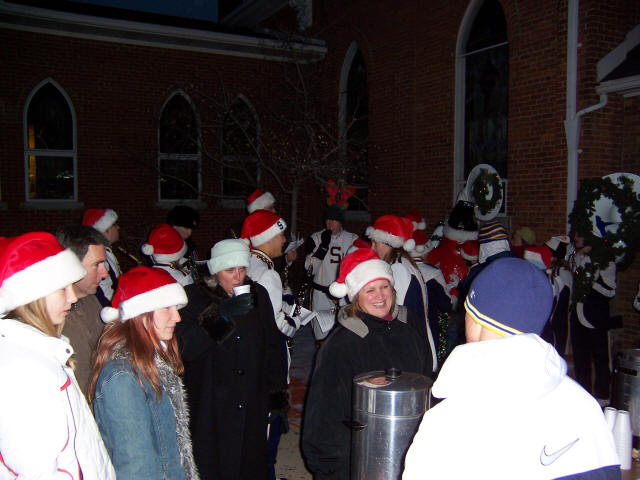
column 480, row 191
column 612, row 246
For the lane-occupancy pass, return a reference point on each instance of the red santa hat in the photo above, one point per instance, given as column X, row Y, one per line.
column 259, row 200
column 393, row 231
column 99, row 218
column 142, row 290
column 356, row 270
column 419, row 223
column 33, row 266
column 420, row 239
column 261, row 226
column 165, row 245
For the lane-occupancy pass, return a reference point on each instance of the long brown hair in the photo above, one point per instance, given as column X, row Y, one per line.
column 394, row 254
column 140, row 339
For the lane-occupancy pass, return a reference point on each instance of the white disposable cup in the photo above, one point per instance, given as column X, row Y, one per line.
column 622, row 436
column 241, row 289
column 610, row 416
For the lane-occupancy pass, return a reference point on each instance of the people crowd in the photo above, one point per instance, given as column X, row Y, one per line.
column 179, row 368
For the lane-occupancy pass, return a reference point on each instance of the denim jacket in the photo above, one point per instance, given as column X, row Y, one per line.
column 139, row 432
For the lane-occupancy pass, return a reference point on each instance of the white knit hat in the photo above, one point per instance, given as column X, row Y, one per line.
column 228, row 254
column 33, row 266
column 356, row 270
column 142, row 290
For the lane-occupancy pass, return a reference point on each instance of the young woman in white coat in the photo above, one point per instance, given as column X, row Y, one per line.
column 46, row 427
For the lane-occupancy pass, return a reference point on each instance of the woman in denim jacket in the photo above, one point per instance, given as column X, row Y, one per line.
column 138, row 398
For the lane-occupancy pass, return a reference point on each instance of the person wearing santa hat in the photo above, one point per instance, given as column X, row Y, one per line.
column 391, row 238
column 137, row 394
column 105, row 221
column 373, row 333
column 259, row 200
column 264, row 230
column 41, row 403
column 166, row 248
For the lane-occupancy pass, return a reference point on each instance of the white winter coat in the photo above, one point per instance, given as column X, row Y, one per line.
column 510, row 411
column 46, row 428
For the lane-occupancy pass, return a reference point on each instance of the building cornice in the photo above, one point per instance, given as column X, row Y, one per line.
column 74, row 25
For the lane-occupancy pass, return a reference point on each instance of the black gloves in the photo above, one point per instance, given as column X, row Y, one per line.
column 236, row 306
column 278, row 407
column 325, row 240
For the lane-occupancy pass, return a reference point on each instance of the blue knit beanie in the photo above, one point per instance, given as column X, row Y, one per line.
column 492, row 231
column 510, row 296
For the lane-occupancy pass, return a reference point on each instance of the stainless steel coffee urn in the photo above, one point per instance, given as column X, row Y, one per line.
column 626, row 391
column 387, row 409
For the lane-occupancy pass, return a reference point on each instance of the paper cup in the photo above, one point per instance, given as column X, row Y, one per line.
column 610, row 416
column 623, row 438
column 241, row 289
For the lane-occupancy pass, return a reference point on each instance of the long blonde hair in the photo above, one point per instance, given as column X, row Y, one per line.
column 140, row 339
column 35, row 314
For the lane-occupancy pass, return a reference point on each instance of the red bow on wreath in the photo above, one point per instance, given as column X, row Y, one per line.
column 339, row 193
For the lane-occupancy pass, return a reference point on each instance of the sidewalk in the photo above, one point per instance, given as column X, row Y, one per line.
column 290, row 464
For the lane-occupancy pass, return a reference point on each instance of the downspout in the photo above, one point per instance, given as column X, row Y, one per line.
column 572, row 120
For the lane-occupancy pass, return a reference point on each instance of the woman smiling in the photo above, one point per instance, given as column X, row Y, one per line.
column 374, row 333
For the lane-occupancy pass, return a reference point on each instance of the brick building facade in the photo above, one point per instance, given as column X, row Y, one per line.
column 413, row 53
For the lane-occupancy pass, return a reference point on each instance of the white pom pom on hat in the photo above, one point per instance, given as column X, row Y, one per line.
column 358, row 268
column 393, row 231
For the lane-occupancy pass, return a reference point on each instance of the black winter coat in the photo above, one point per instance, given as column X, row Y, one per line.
column 348, row 351
column 228, row 380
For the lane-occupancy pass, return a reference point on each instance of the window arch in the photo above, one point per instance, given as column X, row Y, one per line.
column 240, row 149
column 353, row 122
column 50, row 144
column 179, row 152
column 482, row 82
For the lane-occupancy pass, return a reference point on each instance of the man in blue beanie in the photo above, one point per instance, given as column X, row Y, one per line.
column 508, row 408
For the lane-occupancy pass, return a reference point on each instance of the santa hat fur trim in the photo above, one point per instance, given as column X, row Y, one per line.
column 393, row 231
column 261, row 226
column 356, row 270
column 40, row 279
column 459, row 235
column 142, row 290
column 100, row 219
column 258, row 200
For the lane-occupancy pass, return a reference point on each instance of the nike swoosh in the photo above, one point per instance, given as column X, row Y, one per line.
column 547, row 459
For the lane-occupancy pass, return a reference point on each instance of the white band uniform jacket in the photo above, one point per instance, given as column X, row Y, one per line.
column 46, row 428
column 511, row 412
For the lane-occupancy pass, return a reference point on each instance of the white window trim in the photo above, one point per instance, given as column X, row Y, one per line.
column 197, row 157
column 54, row 202
column 459, row 107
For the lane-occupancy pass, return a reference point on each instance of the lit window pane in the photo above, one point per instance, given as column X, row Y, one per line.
column 50, row 177
column 49, row 120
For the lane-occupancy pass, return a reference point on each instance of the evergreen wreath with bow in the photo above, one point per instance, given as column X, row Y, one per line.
column 611, row 246
column 480, row 191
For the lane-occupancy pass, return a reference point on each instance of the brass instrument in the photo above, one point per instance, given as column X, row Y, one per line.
column 127, row 254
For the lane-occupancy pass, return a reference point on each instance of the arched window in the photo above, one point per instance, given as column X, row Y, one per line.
column 353, row 123
column 179, row 150
column 240, row 150
column 482, row 82
column 50, row 144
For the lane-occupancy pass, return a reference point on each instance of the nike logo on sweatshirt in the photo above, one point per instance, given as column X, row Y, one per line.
column 547, row 459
